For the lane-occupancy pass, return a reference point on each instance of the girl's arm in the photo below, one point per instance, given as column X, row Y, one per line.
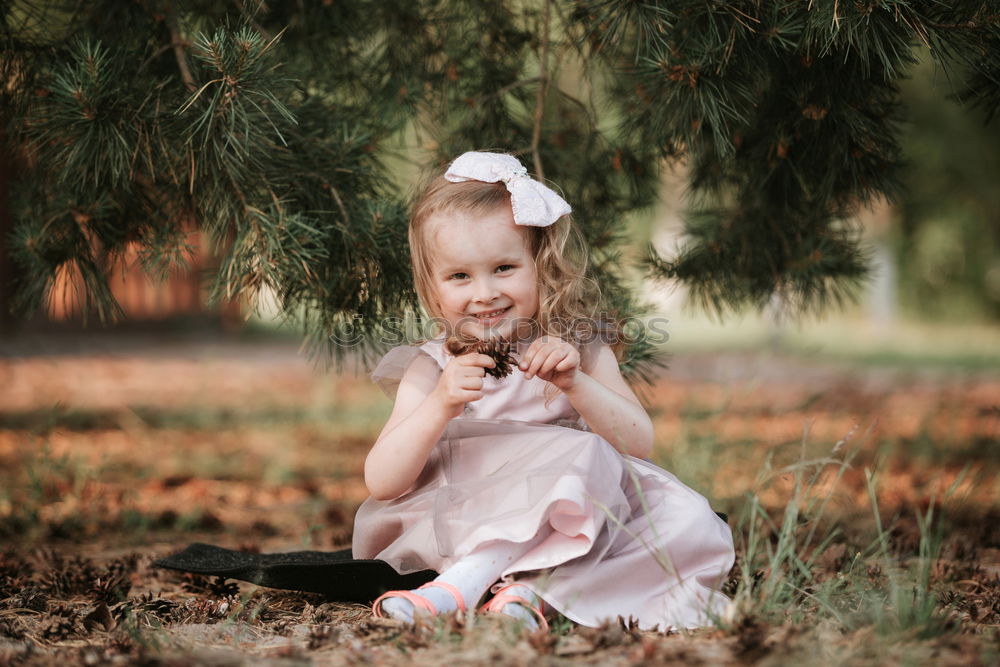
column 599, row 393
column 427, row 399
column 610, row 407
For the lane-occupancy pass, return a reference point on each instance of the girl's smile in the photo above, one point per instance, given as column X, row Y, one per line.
column 490, row 318
column 484, row 272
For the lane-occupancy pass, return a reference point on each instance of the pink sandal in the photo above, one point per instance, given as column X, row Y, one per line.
column 418, row 602
column 501, row 599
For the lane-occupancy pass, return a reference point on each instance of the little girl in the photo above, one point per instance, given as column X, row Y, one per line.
column 533, row 486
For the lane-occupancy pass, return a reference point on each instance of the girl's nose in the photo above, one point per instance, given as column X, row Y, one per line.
column 486, row 291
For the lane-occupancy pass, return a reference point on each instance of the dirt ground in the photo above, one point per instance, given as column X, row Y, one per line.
column 117, row 450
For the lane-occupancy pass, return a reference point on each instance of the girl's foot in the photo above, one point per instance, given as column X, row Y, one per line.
column 461, row 585
column 518, row 601
column 431, row 599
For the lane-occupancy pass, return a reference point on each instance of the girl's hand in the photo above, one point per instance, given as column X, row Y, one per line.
column 553, row 360
column 461, row 381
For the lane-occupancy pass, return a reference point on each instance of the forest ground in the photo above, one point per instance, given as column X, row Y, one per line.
column 864, row 499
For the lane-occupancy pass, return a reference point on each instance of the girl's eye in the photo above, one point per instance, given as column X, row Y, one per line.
column 458, row 276
column 503, row 268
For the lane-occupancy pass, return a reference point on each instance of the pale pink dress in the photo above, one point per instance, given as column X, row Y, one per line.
column 622, row 536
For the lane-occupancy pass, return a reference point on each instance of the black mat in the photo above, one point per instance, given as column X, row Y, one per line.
column 332, row 573
column 335, row 574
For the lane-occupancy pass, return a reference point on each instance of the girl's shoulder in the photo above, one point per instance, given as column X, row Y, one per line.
column 434, row 348
column 389, row 371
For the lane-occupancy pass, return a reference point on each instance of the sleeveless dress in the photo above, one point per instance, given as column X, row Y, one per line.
column 622, row 537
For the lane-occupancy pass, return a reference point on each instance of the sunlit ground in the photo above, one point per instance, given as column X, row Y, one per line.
column 884, row 442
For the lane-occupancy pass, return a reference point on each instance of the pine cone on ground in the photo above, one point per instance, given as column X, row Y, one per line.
column 75, row 576
column 125, row 565
column 111, row 588
column 14, row 572
column 145, row 608
column 164, row 610
column 221, row 588
column 29, row 597
column 58, row 628
column 11, row 628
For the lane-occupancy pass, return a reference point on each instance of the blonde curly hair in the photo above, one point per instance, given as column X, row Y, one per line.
column 567, row 298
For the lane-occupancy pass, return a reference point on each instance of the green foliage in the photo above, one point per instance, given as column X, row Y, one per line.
column 266, row 127
column 141, row 142
column 788, row 115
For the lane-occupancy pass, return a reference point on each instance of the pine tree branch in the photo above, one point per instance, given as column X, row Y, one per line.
column 786, row 111
column 543, row 68
column 178, row 46
column 340, row 203
column 511, row 86
column 250, row 17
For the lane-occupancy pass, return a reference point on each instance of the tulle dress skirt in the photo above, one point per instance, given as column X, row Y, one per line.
column 619, row 536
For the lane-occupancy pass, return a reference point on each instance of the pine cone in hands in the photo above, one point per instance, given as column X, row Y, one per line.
column 497, row 349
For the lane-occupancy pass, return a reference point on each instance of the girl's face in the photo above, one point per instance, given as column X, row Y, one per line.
column 483, row 272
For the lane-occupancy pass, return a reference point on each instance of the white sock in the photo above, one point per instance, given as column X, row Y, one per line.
column 518, row 610
column 472, row 576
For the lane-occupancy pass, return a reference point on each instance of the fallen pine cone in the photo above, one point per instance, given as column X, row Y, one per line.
column 58, row 628
column 497, row 349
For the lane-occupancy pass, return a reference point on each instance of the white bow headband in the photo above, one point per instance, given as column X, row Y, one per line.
column 533, row 203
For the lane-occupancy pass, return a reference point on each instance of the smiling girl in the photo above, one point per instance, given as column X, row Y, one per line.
column 532, row 486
